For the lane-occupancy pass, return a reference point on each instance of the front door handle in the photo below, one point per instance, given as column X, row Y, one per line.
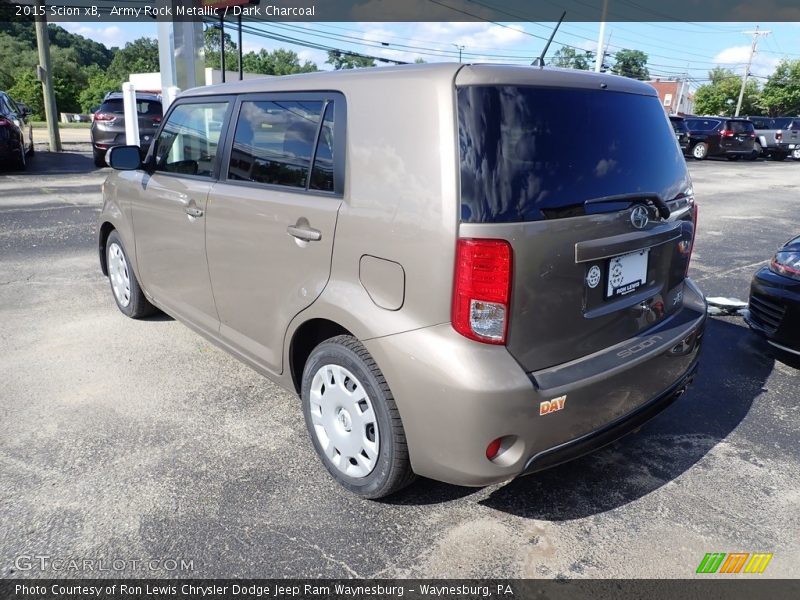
column 305, row 233
column 193, row 211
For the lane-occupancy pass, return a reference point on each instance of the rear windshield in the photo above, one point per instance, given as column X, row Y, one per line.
column 740, row 126
column 143, row 107
column 530, row 153
column 678, row 124
column 702, row 124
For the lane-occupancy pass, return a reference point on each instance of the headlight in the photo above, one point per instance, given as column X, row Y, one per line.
column 786, row 263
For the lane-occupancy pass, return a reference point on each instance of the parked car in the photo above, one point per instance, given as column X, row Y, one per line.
column 681, row 131
column 108, row 125
column 720, row 136
column 777, row 137
column 774, row 307
column 16, row 134
column 451, row 289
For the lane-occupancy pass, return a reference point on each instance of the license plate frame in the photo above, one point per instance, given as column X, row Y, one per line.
column 627, row 273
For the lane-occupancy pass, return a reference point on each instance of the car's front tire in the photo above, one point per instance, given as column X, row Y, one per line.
column 778, row 156
column 796, row 153
column 125, row 288
column 353, row 420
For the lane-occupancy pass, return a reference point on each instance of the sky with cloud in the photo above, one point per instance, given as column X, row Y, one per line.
column 673, row 48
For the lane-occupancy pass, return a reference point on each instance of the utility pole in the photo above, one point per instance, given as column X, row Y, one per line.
column 460, row 48
column 45, row 75
column 598, row 61
column 755, row 35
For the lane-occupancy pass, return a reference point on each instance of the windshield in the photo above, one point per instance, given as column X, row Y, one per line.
column 530, row 153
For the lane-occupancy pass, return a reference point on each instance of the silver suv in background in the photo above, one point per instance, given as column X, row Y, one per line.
column 108, row 124
column 420, row 254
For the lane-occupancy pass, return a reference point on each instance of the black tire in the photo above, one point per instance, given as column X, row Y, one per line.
column 734, row 157
column 21, row 163
column 778, row 156
column 392, row 470
column 99, row 159
column 796, row 154
column 138, row 305
column 756, row 152
column 700, row 151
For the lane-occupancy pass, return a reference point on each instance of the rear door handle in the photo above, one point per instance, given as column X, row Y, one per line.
column 308, row 234
column 193, row 211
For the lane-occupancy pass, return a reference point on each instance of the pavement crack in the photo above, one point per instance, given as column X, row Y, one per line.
column 325, row 555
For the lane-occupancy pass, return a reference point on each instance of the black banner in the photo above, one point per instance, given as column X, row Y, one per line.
column 403, row 10
column 752, row 588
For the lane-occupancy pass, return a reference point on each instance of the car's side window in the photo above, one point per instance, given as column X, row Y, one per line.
column 274, row 142
column 189, row 141
column 322, row 171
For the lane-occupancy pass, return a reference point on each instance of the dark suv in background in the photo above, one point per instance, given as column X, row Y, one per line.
column 108, row 126
column 720, row 136
column 681, row 131
column 16, row 139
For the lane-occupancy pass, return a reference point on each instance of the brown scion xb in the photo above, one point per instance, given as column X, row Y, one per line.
column 453, row 286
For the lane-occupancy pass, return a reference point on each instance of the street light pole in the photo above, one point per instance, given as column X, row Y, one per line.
column 598, row 61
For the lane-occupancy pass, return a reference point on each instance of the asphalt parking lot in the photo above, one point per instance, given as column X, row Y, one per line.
column 126, row 440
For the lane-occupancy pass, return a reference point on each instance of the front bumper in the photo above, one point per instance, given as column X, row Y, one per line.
column 774, row 309
column 455, row 396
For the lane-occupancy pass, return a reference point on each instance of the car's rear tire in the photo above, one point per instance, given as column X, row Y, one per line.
column 756, row 151
column 353, row 421
column 700, row 151
column 125, row 288
column 796, row 153
column 778, row 156
column 99, row 159
column 21, row 162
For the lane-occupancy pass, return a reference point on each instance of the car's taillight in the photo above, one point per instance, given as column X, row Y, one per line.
column 5, row 122
column 482, row 289
column 778, row 136
column 726, row 133
column 101, row 116
column 694, row 234
column 156, row 120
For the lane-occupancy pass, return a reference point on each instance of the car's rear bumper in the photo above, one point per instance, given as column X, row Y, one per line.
column 455, row 396
column 774, row 309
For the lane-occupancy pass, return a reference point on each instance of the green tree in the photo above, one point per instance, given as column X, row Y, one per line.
column 28, row 89
column 99, row 83
column 277, row 62
column 569, row 58
column 138, row 56
column 14, row 55
column 340, row 60
column 631, row 63
column 781, row 93
column 719, row 96
column 212, row 46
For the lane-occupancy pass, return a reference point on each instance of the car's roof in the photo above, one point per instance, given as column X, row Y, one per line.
column 431, row 74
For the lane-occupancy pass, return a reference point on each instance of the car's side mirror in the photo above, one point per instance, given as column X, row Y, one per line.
column 124, row 158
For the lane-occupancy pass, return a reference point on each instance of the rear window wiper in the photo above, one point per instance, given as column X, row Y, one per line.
column 653, row 200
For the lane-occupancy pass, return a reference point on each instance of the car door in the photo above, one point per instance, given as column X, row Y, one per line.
column 271, row 218
column 169, row 211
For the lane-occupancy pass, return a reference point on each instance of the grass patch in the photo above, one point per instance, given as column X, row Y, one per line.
column 43, row 125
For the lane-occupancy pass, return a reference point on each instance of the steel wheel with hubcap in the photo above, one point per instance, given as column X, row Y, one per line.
column 127, row 293
column 344, row 421
column 700, row 151
column 796, row 153
column 119, row 275
column 353, row 420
